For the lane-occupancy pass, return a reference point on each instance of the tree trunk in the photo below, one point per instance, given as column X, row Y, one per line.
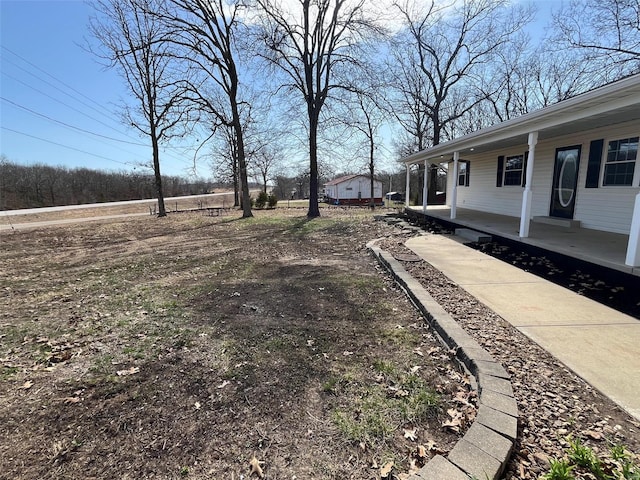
column 433, row 170
column 242, row 164
column 314, row 210
column 372, row 205
column 158, row 177
column 236, row 186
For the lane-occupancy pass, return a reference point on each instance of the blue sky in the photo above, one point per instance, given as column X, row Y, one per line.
column 46, row 72
column 48, row 78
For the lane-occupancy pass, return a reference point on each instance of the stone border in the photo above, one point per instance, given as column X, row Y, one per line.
column 484, row 450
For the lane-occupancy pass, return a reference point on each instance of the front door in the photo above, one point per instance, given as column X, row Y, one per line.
column 565, row 182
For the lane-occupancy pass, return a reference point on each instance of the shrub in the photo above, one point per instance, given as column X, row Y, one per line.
column 261, row 201
column 272, row 201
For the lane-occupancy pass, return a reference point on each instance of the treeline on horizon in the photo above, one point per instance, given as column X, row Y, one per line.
column 39, row 185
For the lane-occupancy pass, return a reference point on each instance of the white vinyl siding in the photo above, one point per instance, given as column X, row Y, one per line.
column 604, row 208
column 357, row 187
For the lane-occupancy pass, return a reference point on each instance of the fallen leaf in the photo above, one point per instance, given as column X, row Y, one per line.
column 415, row 369
column 398, row 392
column 224, row 384
column 197, row 405
column 413, row 468
column 71, row 399
column 130, row 371
column 386, row 469
column 421, row 451
column 26, row 385
column 592, row 434
column 431, row 445
column 60, row 357
column 347, row 353
column 255, row 467
column 410, row 434
column 418, row 351
column 456, row 420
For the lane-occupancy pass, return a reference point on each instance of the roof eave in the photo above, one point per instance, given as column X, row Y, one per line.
column 580, row 106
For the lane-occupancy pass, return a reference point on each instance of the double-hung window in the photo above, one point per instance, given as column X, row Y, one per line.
column 620, row 162
column 463, row 173
column 513, row 169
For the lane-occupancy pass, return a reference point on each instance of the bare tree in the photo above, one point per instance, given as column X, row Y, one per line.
column 451, row 46
column 365, row 116
column 264, row 162
column 311, row 45
column 442, row 54
column 607, row 31
column 208, row 30
column 410, row 104
column 224, row 160
column 135, row 43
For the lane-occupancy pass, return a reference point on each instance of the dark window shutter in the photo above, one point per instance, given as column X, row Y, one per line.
column 593, row 167
column 524, row 169
column 500, row 171
column 466, row 180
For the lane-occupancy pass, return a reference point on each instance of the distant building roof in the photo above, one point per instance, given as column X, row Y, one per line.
column 345, row 178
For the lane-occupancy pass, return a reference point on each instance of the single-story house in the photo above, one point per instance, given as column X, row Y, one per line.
column 353, row 190
column 575, row 162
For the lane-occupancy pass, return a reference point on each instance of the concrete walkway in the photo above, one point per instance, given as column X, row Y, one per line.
column 598, row 343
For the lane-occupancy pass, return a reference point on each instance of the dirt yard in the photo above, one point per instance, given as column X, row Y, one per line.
column 216, row 348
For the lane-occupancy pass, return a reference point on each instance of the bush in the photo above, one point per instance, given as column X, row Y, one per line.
column 261, row 201
column 272, row 201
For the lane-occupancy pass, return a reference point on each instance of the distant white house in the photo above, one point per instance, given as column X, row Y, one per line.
column 353, row 190
column 575, row 162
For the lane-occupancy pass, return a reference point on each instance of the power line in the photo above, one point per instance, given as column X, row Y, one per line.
column 85, row 114
column 61, row 102
column 70, row 126
column 110, row 113
column 65, row 146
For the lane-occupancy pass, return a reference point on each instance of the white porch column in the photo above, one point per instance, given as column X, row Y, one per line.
column 633, row 247
column 527, row 195
column 454, row 190
column 425, row 189
column 407, row 186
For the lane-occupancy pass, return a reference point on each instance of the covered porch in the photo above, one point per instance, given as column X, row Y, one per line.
column 529, row 166
column 601, row 248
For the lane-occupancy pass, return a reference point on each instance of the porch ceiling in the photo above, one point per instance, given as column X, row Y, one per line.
column 608, row 105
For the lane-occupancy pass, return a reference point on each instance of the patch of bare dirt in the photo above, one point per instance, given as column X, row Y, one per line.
column 216, row 347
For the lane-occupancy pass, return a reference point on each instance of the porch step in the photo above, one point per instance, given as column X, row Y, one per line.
column 559, row 222
column 472, row 235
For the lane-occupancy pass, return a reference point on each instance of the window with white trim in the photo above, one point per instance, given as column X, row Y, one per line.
column 463, row 173
column 620, row 162
column 513, row 169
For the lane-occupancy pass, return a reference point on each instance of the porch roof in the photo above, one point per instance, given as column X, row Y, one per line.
column 601, row 248
column 608, row 105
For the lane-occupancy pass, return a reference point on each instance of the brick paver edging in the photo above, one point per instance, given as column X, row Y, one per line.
column 484, row 450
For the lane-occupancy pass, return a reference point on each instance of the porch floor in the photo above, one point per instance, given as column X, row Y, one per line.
column 601, row 248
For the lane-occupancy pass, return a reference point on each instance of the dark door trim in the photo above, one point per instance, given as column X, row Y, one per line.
column 565, row 181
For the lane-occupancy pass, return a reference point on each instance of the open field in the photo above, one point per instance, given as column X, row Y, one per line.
column 137, row 207
column 196, row 347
